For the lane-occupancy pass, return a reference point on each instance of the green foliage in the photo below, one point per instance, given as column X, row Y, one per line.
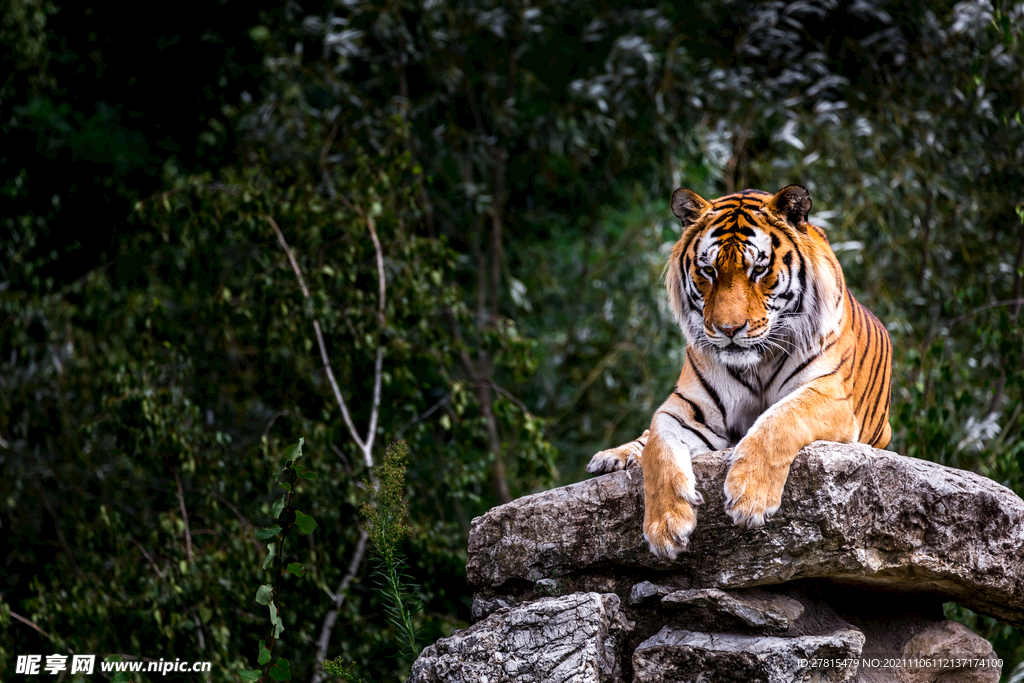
column 264, row 594
column 343, row 670
column 384, row 517
column 517, row 164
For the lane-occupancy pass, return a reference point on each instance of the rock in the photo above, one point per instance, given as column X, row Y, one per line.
column 762, row 611
column 566, row 639
column 852, row 571
column 482, row 606
column 680, row 656
column 850, row 513
column 952, row 653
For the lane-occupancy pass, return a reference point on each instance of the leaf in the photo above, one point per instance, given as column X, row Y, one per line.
column 267, row 532
column 275, row 619
column 280, row 670
column 296, row 568
column 264, row 594
column 305, row 523
column 275, row 509
column 294, row 452
column 310, row 475
column 270, row 555
column 121, row 677
column 264, row 655
column 249, row 674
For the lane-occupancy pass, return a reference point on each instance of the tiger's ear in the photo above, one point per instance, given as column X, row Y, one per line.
column 687, row 205
column 792, row 203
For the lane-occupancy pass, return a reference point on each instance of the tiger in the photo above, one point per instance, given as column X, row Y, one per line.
column 778, row 354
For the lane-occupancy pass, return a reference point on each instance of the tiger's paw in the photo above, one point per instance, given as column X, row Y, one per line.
column 668, row 531
column 625, row 456
column 753, row 489
column 607, row 461
column 670, row 518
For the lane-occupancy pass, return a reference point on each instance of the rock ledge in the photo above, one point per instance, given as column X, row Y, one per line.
column 856, row 565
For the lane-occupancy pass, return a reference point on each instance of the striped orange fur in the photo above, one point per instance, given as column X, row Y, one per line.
column 779, row 354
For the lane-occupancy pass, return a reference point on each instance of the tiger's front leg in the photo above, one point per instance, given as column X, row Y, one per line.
column 669, row 493
column 760, row 462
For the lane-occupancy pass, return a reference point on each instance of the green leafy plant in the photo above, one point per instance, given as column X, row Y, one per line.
column 342, row 669
column 384, row 517
column 265, row 594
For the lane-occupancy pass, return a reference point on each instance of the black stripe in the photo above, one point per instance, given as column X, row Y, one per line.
column 808, row 362
column 876, row 365
column 868, row 345
column 739, row 378
column 881, row 368
column 769, row 269
column 688, row 427
column 883, row 416
column 698, row 414
column 708, row 388
column 888, row 407
column 871, row 352
column 782, row 363
column 853, row 312
column 842, row 362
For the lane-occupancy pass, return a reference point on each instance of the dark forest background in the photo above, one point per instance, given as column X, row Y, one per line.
column 514, row 162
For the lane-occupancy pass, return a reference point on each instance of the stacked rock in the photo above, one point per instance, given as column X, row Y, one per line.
column 846, row 582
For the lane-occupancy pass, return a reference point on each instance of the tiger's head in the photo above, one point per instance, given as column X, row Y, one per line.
column 750, row 277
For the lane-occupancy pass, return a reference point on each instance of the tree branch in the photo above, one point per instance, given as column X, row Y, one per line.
column 338, row 598
column 366, row 445
column 379, row 361
column 320, row 341
column 184, row 517
column 970, row 314
column 56, row 523
column 27, row 622
column 148, row 557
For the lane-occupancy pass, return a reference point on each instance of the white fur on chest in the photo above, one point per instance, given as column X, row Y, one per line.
column 773, row 383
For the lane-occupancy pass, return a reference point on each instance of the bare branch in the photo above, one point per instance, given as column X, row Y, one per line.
column 423, row 416
column 319, row 340
column 27, row 622
column 338, row 598
column 463, row 356
column 184, row 517
column 969, row 314
column 504, row 392
column 56, row 523
column 379, row 361
column 148, row 557
column 366, row 445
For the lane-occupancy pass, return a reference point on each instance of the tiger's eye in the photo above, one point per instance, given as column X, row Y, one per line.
column 758, row 270
column 709, row 271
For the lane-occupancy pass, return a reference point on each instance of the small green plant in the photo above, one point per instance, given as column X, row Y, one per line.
column 384, row 518
column 342, row 669
column 280, row 670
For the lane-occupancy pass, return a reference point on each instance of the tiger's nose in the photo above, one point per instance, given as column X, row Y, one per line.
column 730, row 330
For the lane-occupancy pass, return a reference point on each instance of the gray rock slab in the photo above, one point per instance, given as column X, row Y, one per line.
column 679, row 656
column 851, row 513
column 566, row 639
column 769, row 612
